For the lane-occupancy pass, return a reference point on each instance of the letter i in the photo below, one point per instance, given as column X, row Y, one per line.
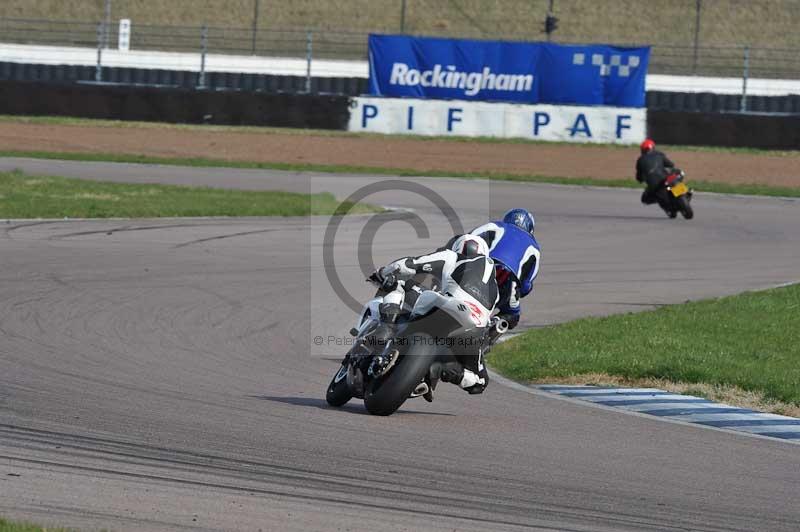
column 410, row 118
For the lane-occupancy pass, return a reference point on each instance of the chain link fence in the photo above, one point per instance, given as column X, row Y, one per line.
column 755, row 23
column 702, row 37
column 720, row 38
column 678, row 59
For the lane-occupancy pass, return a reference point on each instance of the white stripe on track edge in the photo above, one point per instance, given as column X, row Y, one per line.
column 575, row 401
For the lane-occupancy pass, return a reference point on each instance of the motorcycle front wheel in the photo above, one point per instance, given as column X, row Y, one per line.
column 385, row 395
column 338, row 391
column 685, row 208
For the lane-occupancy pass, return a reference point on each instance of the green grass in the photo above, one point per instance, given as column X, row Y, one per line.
column 749, row 341
column 702, row 186
column 15, row 526
column 25, row 196
column 93, row 122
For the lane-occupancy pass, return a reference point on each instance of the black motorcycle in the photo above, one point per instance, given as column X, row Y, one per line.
column 678, row 196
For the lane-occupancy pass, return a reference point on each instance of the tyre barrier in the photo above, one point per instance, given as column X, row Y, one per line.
column 174, row 105
column 656, row 100
column 763, row 131
column 328, row 111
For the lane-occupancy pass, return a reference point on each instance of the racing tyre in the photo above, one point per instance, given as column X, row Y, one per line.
column 338, row 391
column 685, row 208
column 385, row 395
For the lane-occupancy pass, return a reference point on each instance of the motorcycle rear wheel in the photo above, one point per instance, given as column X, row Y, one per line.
column 385, row 395
column 338, row 391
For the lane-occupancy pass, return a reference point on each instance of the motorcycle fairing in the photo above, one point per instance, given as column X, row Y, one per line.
column 467, row 314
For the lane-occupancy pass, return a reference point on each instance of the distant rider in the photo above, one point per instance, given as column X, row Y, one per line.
column 652, row 168
column 465, row 272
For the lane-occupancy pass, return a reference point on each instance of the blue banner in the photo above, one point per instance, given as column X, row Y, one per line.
column 460, row 69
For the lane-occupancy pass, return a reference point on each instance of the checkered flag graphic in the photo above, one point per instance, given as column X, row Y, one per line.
column 606, row 69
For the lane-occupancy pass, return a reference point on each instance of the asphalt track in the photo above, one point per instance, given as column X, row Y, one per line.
column 159, row 374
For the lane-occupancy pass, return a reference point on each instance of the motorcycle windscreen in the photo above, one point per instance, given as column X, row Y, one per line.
column 517, row 251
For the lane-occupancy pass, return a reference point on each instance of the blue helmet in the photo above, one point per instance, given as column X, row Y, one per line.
column 521, row 218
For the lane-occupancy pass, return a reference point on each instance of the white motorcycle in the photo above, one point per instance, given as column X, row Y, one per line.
column 438, row 330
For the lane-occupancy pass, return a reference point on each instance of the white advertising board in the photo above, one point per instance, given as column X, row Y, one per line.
column 557, row 123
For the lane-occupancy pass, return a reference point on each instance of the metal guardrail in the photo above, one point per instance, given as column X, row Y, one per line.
column 721, row 61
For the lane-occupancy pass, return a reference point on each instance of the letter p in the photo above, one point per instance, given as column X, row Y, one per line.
column 367, row 112
column 539, row 120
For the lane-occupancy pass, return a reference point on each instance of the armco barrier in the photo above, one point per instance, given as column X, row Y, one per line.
column 725, row 129
column 174, row 105
column 181, row 78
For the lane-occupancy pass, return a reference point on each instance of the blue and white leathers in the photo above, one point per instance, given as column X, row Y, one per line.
column 519, row 253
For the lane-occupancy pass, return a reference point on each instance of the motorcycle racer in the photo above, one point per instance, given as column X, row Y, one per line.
column 517, row 255
column 464, row 271
column 652, row 167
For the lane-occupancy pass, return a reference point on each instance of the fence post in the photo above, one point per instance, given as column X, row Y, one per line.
column 698, row 7
column 309, row 53
column 402, row 16
column 255, row 25
column 745, row 75
column 98, row 71
column 201, row 82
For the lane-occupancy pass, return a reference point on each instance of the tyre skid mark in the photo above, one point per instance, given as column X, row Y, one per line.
column 351, row 489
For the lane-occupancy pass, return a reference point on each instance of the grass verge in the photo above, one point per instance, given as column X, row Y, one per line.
column 742, row 349
column 15, row 526
column 26, row 196
column 703, row 186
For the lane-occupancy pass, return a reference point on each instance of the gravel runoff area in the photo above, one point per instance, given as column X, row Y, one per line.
column 275, row 146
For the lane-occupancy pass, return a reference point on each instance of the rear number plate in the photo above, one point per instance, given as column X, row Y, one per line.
column 679, row 190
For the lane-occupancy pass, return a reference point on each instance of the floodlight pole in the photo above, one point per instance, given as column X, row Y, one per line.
column 698, row 8
column 255, row 24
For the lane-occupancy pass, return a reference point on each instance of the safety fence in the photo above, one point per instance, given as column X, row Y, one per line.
column 742, row 61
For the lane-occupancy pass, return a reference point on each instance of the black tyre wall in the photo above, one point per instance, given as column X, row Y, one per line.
column 724, row 129
column 175, row 105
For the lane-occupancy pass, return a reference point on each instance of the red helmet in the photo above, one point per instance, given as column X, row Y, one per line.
column 647, row 145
